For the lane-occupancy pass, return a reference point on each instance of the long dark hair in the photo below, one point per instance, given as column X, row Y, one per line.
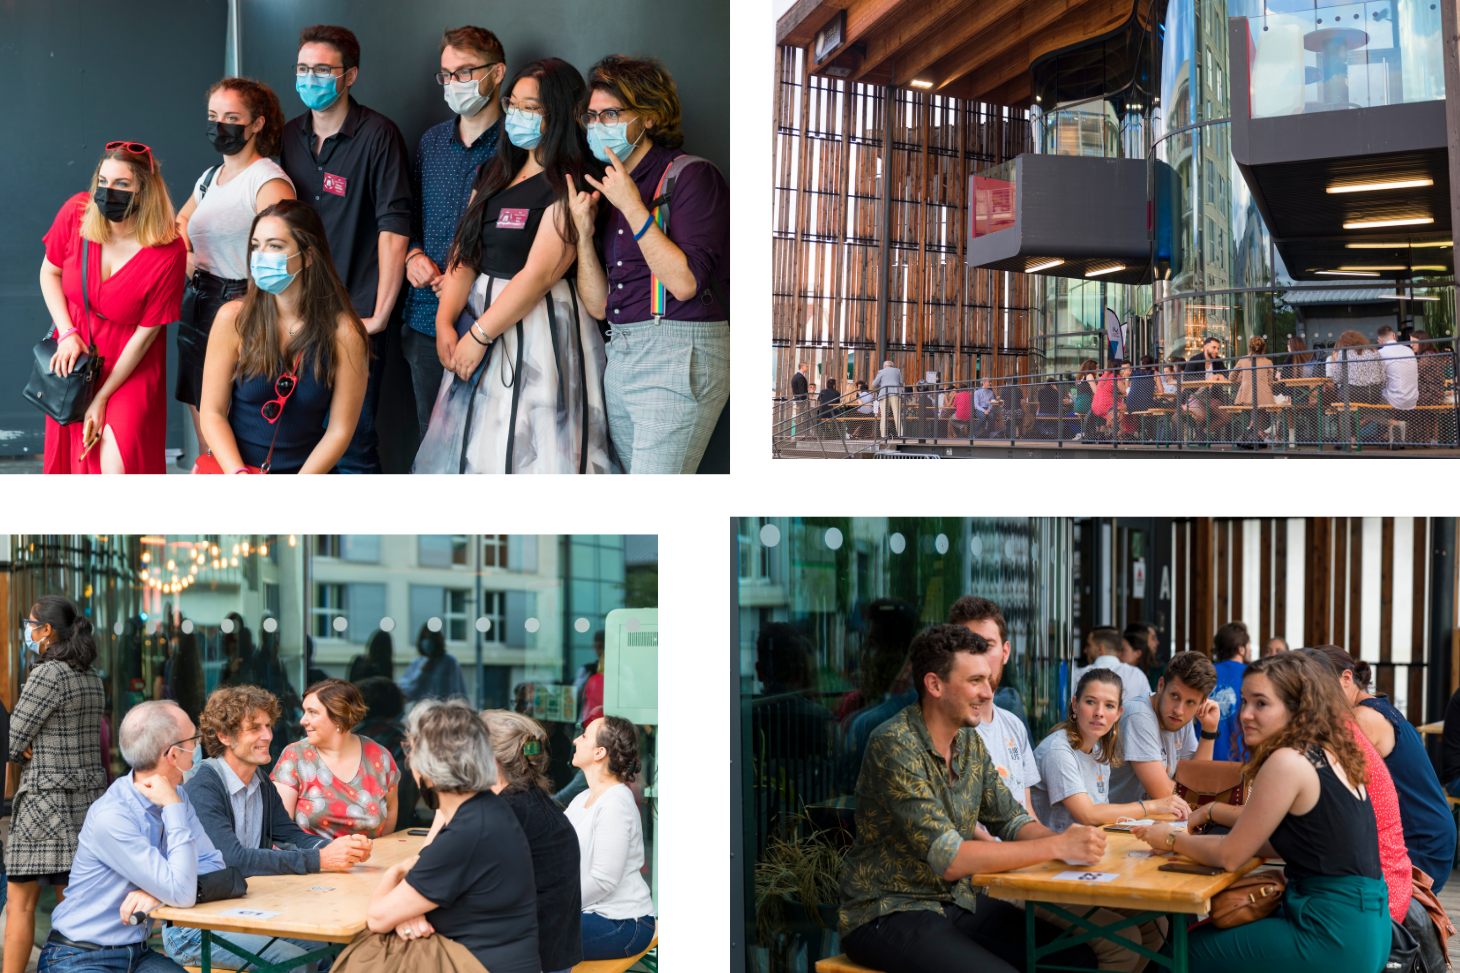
column 322, row 299
column 72, row 642
column 563, row 150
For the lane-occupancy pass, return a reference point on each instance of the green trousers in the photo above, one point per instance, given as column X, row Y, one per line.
column 1324, row 925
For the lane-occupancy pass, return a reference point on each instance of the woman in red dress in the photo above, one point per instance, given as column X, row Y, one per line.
column 135, row 261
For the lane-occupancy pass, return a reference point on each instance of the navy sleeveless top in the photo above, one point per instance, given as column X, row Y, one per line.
column 1429, row 831
column 301, row 426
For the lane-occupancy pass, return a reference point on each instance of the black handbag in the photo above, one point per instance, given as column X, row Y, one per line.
column 1403, row 951
column 65, row 398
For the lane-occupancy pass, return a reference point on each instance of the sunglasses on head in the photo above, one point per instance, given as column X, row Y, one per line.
column 136, row 148
column 283, row 388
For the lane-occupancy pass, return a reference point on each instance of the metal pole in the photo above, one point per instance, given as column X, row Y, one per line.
column 1450, row 27
column 884, row 290
column 1454, row 385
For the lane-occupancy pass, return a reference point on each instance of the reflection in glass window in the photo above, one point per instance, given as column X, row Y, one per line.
column 329, row 604
column 494, row 551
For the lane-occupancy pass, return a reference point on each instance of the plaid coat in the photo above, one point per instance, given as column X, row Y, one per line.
column 59, row 717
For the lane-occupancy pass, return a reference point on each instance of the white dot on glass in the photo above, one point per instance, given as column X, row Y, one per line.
column 633, row 625
column 897, row 543
column 532, row 625
column 484, row 624
column 833, row 538
column 433, row 624
column 387, row 624
column 940, row 543
column 226, row 626
column 770, row 535
column 187, row 626
column 581, row 625
column 975, row 546
column 271, row 625
column 340, row 623
column 151, row 628
column 119, row 628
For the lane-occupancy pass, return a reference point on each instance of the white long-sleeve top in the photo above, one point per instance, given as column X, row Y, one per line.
column 612, row 852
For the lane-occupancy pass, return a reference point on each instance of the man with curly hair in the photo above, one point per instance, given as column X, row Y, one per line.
column 241, row 812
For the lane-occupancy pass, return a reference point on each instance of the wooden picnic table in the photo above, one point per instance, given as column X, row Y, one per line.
column 1433, row 729
column 1140, row 886
column 326, row 906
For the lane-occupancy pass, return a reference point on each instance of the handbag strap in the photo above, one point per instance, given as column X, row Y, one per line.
column 85, row 297
column 269, row 459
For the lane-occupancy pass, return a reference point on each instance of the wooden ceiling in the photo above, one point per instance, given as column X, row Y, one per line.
column 975, row 49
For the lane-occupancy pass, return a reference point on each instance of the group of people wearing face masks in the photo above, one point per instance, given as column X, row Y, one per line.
column 551, row 213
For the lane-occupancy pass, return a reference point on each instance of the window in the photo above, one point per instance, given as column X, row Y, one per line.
column 456, row 621
column 327, row 545
column 494, row 609
column 360, row 548
column 443, row 550
column 494, row 551
column 329, row 604
column 451, row 605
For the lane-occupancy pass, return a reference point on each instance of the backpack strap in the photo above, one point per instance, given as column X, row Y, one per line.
column 660, row 207
column 207, row 181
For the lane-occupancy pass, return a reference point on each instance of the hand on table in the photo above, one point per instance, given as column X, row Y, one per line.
column 344, row 853
column 1155, row 835
column 1199, row 819
column 1170, row 804
column 414, row 928
column 138, row 901
column 1081, row 843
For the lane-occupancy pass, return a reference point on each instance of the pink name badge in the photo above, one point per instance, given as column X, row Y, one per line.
column 512, row 219
column 334, row 184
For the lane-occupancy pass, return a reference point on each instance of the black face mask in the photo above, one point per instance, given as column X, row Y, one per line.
column 429, row 797
column 115, row 204
column 227, row 137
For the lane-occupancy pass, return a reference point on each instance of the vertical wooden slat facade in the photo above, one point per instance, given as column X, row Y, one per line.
column 831, row 168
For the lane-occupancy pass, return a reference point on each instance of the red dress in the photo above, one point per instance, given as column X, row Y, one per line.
column 1393, row 855
column 331, row 807
column 145, row 293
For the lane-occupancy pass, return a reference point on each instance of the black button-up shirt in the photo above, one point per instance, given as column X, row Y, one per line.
column 360, row 185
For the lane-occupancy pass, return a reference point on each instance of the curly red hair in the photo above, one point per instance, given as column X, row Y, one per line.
column 1318, row 713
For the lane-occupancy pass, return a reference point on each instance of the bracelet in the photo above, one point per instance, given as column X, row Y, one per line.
column 1143, row 806
column 241, row 469
column 647, row 223
column 475, row 338
column 62, row 336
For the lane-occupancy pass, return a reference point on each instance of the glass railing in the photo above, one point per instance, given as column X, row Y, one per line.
column 1311, row 55
column 993, row 199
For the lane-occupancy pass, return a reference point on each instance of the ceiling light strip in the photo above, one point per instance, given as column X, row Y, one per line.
column 1366, row 187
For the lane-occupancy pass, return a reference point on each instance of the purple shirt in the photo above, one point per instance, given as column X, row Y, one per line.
column 699, row 224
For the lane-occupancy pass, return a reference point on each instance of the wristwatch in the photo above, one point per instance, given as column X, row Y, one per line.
column 1171, row 839
column 1208, row 736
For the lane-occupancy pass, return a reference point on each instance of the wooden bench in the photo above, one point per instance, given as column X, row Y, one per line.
column 841, row 964
column 619, row 965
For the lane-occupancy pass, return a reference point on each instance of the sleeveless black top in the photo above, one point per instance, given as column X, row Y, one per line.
column 1338, row 837
column 509, row 225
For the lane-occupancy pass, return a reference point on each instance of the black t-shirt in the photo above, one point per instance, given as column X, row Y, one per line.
column 509, row 225
column 478, row 871
column 555, row 865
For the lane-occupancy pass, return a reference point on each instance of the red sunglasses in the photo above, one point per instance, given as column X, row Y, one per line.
column 136, row 148
column 283, row 388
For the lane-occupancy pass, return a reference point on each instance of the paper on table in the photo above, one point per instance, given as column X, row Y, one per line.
column 1088, row 876
column 249, row 914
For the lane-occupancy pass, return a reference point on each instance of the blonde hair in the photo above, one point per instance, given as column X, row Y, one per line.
column 510, row 733
column 156, row 223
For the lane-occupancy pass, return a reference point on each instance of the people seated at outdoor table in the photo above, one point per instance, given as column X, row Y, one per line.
column 520, row 746
column 1142, row 389
column 926, row 783
column 245, row 820
column 1170, row 374
column 618, row 913
column 142, row 846
column 828, row 399
column 1433, row 367
column 1355, row 370
column 1309, row 806
column 335, row 782
column 1159, row 729
column 1056, row 403
column 1085, row 386
column 985, row 408
column 1253, row 375
column 1102, row 405
column 472, row 880
column 1429, row 830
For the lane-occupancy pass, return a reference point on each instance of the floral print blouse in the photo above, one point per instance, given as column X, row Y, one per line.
column 331, row 807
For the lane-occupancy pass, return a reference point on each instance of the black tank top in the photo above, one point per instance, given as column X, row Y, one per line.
column 1338, row 837
column 509, row 225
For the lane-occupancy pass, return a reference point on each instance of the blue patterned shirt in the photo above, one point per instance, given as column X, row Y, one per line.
column 441, row 182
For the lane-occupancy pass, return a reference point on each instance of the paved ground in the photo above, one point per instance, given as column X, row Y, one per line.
column 960, row 449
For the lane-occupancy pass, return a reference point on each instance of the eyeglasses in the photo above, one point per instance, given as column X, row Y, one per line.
column 192, row 739
column 508, row 106
column 136, row 148
column 283, row 388
column 461, row 74
column 318, row 70
column 608, row 116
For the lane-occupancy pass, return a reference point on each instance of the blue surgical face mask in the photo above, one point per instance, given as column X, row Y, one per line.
column 31, row 644
column 602, row 137
column 524, row 129
column 317, row 93
column 271, row 270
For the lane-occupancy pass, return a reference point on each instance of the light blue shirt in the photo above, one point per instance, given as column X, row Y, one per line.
column 130, row 843
column 983, row 400
column 248, row 804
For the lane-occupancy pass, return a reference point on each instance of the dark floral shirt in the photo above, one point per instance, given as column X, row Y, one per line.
column 912, row 818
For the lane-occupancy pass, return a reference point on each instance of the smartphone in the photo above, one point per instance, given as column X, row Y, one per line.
column 422, row 832
column 1191, row 868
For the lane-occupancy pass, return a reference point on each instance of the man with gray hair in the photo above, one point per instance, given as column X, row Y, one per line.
column 888, row 384
column 141, row 846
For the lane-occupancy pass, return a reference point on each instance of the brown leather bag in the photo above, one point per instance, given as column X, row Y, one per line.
column 1254, row 896
column 1424, row 892
column 1211, row 781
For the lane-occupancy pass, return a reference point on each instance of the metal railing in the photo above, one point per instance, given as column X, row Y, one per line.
column 1349, row 400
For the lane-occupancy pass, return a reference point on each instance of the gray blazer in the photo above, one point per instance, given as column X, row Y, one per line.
column 888, row 381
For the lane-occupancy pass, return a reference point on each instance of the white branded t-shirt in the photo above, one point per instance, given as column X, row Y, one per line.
column 1065, row 771
column 1008, row 745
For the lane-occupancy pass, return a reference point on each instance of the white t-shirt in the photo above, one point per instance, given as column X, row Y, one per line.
column 223, row 217
column 1133, row 682
column 1064, row 771
column 611, row 850
column 1142, row 738
column 1008, row 745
